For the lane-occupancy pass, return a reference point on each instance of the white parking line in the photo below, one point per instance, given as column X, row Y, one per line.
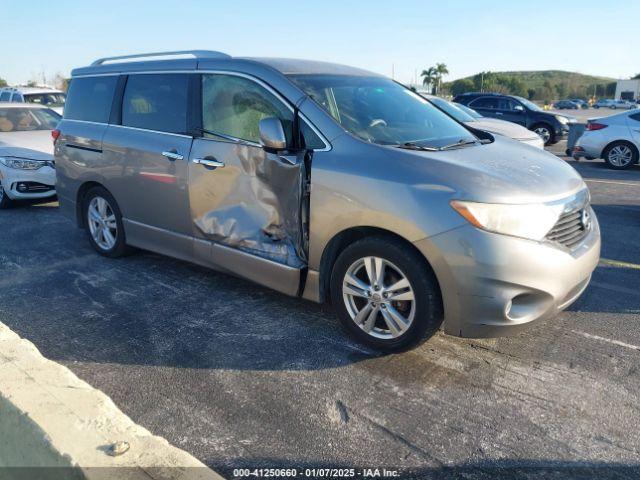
column 636, row 184
column 608, row 340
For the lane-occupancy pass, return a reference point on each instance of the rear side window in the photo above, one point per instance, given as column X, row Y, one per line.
column 635, row 116
column 90, row 99
column 234, row 106
column 485, row 102
column 4, row 96
column 17, row 98
column 156, row 102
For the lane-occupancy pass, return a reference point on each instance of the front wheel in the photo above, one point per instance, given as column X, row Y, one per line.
column 620, row 155
column 5, row 201
column 545, row 132
column 385, row 294
column 104, row 223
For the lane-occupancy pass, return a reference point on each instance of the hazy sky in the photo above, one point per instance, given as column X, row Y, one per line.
column 589, row 36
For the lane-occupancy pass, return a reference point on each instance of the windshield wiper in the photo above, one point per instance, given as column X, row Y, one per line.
column 460, row 143
column 415, row 146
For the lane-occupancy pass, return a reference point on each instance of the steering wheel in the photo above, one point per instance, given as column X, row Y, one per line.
column 377, row 122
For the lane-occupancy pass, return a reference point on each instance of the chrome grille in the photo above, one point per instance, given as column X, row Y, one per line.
column 570, row 229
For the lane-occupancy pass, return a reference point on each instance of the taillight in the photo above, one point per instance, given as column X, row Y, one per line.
column 55, row 134
column 596, row 126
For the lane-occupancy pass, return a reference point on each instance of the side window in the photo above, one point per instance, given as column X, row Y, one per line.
column 4, row 96
column 485, row 102
column 635, row 116
column 156, row 102
column 90, row 98
column 17, row 98
column 234, row 106
column 311, row 138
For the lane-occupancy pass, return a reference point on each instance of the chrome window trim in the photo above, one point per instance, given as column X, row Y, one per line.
column 260, row 82
column 182, row 135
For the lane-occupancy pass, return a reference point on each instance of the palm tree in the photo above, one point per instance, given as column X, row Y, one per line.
column 430, row 76
column 441, row 71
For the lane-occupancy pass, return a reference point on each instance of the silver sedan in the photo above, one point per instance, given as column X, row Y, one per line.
column 616, row 139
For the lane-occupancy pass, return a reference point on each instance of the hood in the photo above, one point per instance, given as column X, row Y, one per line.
column 37, row 140
column 502, row 127
column 505, row 171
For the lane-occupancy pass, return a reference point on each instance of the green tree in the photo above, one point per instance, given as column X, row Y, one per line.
column 463, row 85
column 637, row 77
column 561, row 89
column 531, row 93
column 429, row 78
column 441, row 71
column 3, row 82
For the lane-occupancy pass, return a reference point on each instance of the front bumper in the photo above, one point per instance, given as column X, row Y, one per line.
column 494, row 285
column 11, row 179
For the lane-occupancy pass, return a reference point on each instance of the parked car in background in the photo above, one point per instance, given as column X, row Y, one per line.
column 616, row 139
column 492, row 125
column 566, row 104
column 45, row 96
column 550, row 126
column 325, row 181
column 604, row 103
column 624, row 104
column 27, row 168
column 582, row 103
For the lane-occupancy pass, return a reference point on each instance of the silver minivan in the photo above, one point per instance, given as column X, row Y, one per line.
column 326, row 182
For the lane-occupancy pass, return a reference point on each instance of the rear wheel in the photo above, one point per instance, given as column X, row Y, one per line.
column 620, row 155
column 104, row 223
column 5, row 201
column 385, row 294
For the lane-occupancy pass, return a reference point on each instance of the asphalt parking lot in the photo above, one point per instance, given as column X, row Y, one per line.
column 240, row 376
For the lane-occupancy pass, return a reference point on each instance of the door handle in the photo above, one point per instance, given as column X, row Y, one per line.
column 207, row 162
column 499, row 113
column 173, row 155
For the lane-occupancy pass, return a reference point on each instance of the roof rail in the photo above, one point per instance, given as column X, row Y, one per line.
column 200, row 54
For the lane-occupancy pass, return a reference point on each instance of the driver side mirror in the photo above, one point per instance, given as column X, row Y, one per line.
column 272, row 136
column 518, row 108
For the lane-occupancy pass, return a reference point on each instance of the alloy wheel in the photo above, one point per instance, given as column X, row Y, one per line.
column 544, row 133
column 102, row 223
column 620, row 155
column 379, row 297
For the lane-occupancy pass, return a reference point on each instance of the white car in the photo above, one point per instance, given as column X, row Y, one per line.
column 472, row 118
column 27, row 168
column 45, row 96
column 616, row 139
column 624, row 104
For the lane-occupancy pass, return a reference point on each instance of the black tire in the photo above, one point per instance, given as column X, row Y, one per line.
column 5, row 201
column 428, row 314
column 120, row 248
column 552, row 136
column 610, row 149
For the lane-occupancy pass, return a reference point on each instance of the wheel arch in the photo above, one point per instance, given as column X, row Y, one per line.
column 343, row 239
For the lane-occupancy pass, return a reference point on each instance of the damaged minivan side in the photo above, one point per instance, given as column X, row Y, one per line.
column 325, row 182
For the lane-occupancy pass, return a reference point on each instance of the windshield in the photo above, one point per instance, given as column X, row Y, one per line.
column 54, row 99
column 529, row 105
column 27, row 119
column 468, row 110
column 451, row 109
column 378, row 110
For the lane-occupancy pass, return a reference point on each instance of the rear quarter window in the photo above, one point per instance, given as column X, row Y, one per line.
column 90, row 99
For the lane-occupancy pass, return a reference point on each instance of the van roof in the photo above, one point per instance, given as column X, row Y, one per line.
column 204, row 59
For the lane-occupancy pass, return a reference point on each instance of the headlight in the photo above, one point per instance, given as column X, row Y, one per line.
column 562, row 120
column 22, row 163
column 532, row 221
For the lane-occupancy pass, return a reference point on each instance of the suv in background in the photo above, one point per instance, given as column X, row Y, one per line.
column 604, row 103
column 326, row 182
column 45, row 96
column 551, row 127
